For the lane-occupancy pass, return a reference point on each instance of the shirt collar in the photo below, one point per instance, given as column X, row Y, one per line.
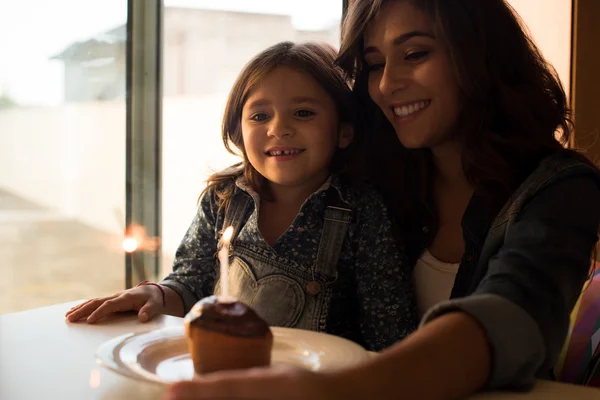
column 334, row 182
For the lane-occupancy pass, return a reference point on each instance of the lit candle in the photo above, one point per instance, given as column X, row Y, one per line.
column 224, row 261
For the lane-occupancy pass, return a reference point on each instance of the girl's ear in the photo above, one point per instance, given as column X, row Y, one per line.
column 345, row 135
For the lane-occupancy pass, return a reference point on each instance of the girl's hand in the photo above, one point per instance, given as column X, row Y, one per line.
column 146, row 299
column 278, row 382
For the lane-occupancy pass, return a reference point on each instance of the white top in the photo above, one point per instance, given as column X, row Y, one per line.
column 434, row 280
column 44, row 357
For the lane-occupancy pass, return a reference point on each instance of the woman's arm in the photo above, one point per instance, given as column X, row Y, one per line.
column 446, row 359
column 525, row 299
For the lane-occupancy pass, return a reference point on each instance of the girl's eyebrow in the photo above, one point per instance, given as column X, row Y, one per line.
column 305, row 99
column 259, row 103
column 400, row 40
column 297, row 99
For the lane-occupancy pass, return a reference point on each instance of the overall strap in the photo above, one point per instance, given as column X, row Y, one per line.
column 337, row 220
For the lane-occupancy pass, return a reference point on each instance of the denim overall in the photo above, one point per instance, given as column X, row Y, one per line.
column 272, row 285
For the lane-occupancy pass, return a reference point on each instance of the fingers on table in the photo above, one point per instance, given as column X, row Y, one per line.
column 86, row 308
column 123, row 302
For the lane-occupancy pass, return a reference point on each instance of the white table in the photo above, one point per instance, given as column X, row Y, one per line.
column 44, row 357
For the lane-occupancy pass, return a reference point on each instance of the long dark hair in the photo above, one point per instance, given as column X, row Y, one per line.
column 314, row 59
column 514, row 108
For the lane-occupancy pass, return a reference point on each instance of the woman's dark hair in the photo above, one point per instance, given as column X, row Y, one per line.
column 317, row 60
column 513, row 107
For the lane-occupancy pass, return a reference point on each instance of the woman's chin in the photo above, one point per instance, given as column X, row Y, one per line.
column 412, row 142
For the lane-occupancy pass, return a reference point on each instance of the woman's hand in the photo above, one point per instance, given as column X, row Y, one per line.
column 145, row 299
column 277, row 382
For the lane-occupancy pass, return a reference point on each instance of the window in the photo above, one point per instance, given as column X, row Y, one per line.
column 62, row 150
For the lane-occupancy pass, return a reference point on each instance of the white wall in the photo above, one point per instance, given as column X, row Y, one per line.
column 549, row 22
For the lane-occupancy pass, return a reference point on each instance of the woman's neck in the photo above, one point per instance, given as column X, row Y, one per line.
column 452, row 193
column 447, row 161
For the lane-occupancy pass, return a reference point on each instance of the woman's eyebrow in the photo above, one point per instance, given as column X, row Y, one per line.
column 400, row 40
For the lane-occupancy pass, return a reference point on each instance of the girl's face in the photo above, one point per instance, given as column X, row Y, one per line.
column 290, row 129
column 410, row 75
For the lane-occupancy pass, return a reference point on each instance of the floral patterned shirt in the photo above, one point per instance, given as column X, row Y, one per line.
column 372, row 300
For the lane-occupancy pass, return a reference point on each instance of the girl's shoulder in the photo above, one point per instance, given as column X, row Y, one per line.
column 222, row 185
column 218, row 197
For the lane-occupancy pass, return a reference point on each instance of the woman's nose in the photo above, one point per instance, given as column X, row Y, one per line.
column 394, row 78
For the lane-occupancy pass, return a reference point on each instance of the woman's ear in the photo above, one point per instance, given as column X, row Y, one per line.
column 345, row 136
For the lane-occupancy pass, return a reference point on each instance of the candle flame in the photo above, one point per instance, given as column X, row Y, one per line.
column 227, row 235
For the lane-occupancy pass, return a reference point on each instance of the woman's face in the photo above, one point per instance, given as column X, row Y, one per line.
column 410, row 75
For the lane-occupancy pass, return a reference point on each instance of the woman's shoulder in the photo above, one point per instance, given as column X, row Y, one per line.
column 560, row 174
column 559, row 166
column 568, row 162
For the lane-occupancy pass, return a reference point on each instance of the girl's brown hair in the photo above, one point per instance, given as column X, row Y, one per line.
column 514, row 109
column 317, row 60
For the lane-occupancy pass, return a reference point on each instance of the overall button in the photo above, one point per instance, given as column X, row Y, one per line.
column 313, row 287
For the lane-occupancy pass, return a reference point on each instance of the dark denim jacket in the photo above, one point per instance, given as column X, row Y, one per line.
column 523, row 270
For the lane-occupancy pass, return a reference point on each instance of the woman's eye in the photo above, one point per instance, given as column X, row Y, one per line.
column 375, row 67
column 416, row 55
column 304, row 113
column 259, row 117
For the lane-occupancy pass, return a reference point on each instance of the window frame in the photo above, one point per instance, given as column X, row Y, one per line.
column 143, row 191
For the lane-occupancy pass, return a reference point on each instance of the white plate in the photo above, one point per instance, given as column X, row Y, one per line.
column 162, row 356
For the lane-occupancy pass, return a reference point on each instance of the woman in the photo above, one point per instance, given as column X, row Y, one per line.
column 465, row 119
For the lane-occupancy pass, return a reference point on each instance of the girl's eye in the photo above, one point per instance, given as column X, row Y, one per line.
column 416, row 55
column 304, row 113
column 259, row 117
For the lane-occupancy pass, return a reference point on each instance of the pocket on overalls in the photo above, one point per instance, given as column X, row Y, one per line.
column 278, row 299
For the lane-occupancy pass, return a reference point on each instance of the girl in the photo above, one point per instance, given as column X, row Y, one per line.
column 499, row 218
column 312, row 247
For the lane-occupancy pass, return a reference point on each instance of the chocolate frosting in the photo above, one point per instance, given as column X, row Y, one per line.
column 230, row 318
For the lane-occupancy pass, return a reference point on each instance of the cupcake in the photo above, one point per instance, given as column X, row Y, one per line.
column 225, row 334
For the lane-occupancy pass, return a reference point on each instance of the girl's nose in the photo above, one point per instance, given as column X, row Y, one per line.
column 280, row 129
